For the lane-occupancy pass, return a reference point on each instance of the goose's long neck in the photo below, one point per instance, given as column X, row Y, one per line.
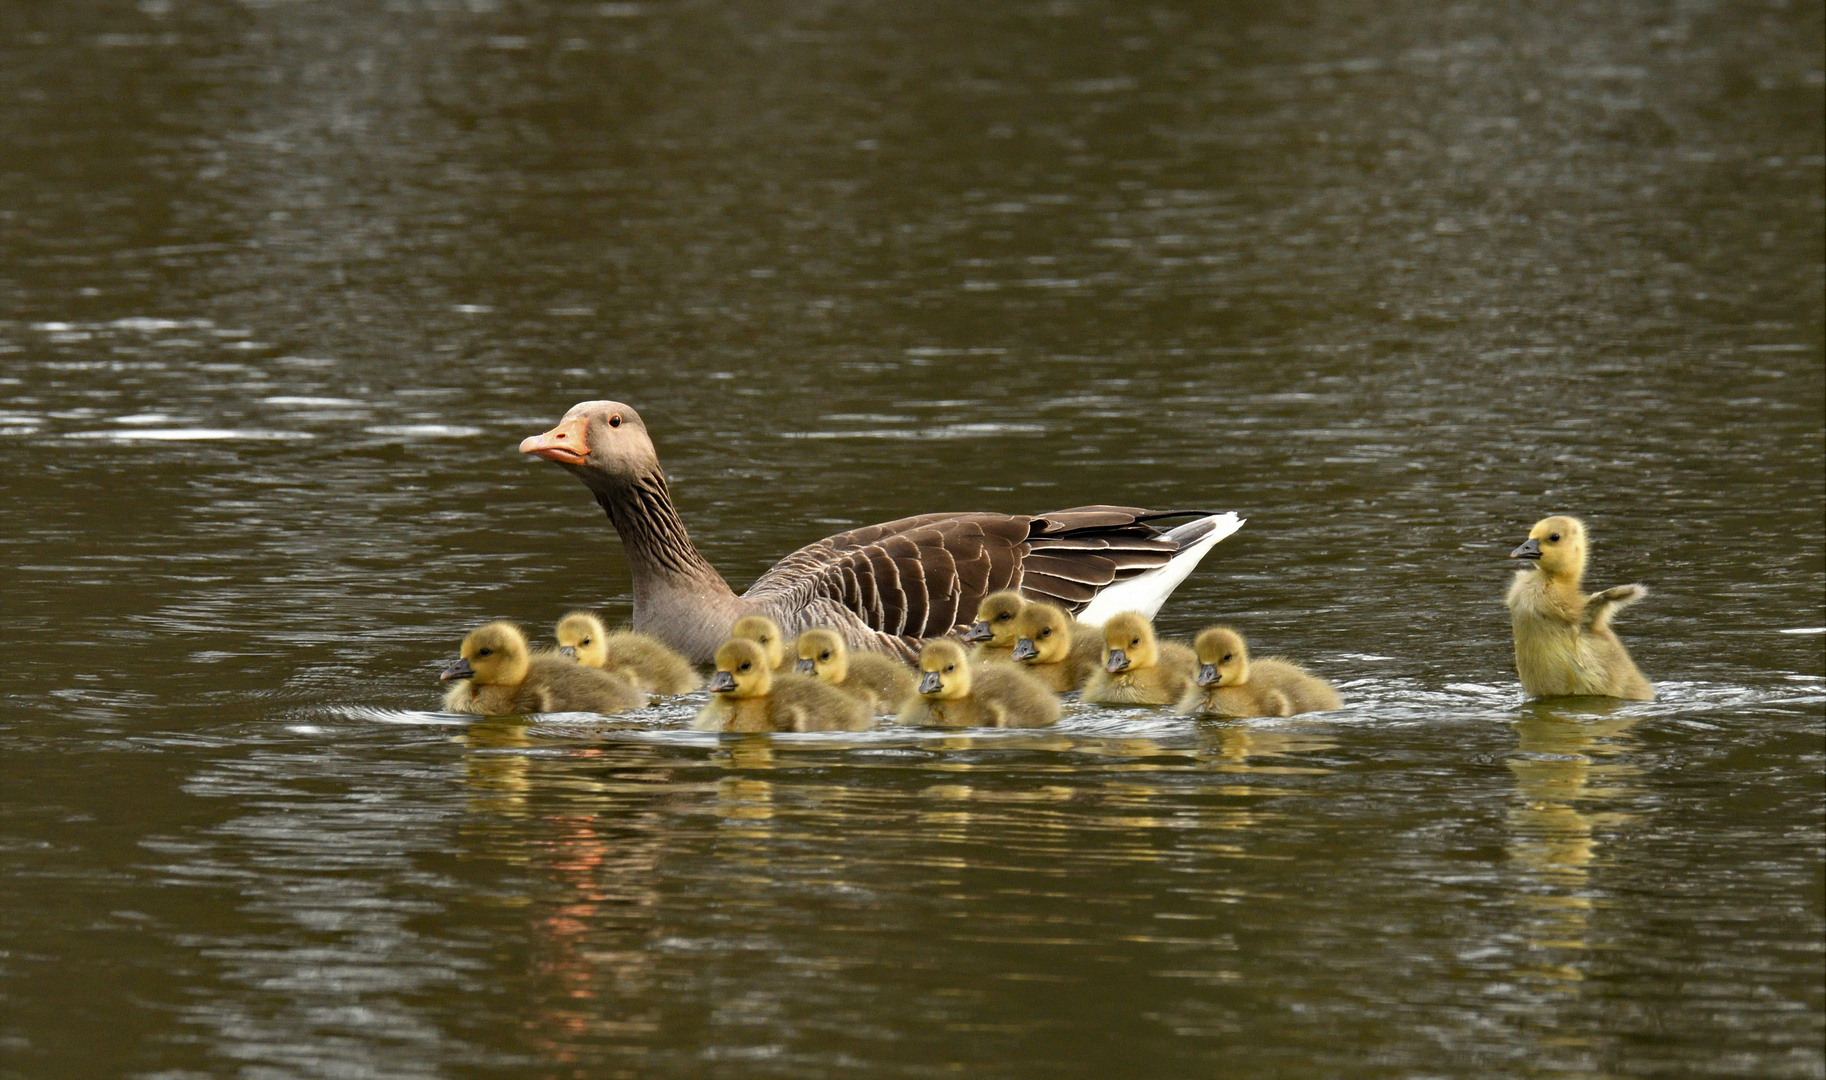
column 658, row 547
column 678, row 596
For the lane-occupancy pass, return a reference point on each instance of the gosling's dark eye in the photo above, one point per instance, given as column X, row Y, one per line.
column 744, row 667
column 1226, row 659
column 615, row 420
column 1554, row 538
column 585, row 641
column 824, row 656
column 1046, row 633
column 1134, row 641
column 1003, row 617
column 485, row 652
column 950, row 667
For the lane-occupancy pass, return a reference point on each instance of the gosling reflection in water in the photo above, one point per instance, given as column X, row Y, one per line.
column 1236, row 743
column 1561, row 774
column 498, row 783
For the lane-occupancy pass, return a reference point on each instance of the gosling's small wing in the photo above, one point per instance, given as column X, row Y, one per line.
column 1600, row 606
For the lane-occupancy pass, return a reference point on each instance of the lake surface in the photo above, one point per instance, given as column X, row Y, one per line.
column 283, row 284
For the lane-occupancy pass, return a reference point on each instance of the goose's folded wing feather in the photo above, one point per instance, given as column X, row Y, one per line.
column 924, row 576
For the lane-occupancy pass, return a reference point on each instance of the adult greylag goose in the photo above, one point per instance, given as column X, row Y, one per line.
column 884, row 588
column 1230, row 684
column 1563, row 641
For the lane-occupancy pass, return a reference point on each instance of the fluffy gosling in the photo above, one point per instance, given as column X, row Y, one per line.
column 1563, row 641
column 956, row 693
column 1229, row 684
column 747, row 695
column 1054, row 649
column 881, row 683
column 498, row 674
column 764, row 632
column 993, row 634
column 645, row 660
column 1139, row 669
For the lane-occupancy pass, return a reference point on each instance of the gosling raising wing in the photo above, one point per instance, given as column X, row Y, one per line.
column 1564, row 644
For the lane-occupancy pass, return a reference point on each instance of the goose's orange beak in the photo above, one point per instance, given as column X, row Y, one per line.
column 567, row 444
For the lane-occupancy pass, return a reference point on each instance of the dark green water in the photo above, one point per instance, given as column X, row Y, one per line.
column 283, row 284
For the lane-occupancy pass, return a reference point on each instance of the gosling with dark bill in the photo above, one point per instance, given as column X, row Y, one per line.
column 1564, row 644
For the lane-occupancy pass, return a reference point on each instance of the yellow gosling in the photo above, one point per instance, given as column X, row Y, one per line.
column 957, row 693
column 882, row 683
column 1229, row 684
column 645, row 660
column 1563, row 641
column 993, row 634
column 498, row 674
column 1062, row 654
column 1139, row 669
column 764, row 632
column 747, row 695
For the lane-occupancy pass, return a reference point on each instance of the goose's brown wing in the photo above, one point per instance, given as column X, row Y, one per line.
column 923, row 577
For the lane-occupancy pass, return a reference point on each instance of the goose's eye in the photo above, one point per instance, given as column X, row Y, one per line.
column 1046, row 632
column 485, row 652
column 615, row 420
column 1553, row 538
column 1226, row 659
column 1134, row 641
column 744, row 667
column 585, row 641
column 824, row 656
column 1003, row 617
column 950, row 667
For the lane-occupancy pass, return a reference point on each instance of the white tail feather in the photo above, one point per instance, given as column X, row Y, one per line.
column 1145, row 593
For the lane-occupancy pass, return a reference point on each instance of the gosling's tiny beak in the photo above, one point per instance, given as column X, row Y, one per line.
column 979, row 631
column 1024, row 649
column 1207, row 675
column 1118, row 661
column 458, row 669
column 930, row 683
column 568, row 650
column 722, row 682
column 806, row 667
column 1530, row 549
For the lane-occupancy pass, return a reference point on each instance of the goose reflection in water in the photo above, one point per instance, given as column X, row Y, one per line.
column 593, row 919
column 1562, row 777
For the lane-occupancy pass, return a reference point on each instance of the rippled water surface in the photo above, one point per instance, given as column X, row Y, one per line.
column 283, row 284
